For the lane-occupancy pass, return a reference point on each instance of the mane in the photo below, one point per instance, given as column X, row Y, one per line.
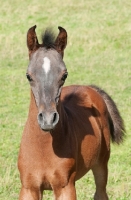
column 48, row 38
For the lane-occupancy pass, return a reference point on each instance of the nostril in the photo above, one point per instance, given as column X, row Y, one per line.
column 40, row 114
column 40, row 117
column 55, row 118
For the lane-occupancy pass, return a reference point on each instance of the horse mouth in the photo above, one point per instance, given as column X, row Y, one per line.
column 47, row 128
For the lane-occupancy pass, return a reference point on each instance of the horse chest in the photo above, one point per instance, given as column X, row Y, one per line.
column 44, row 162
column 47, row 172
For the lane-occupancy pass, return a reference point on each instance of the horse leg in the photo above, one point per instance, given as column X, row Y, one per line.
column 30, row 194
column 100, row 174
column 67, row 192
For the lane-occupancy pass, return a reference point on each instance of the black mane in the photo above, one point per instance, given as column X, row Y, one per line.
column 48, row 38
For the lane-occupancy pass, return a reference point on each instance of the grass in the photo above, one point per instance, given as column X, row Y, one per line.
column 98, row 52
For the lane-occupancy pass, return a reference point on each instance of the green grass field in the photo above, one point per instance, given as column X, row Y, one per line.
column 98, row 52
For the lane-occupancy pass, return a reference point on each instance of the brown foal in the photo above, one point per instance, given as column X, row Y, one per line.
column 68, row 130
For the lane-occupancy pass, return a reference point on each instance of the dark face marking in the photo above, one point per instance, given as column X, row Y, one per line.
column 46, row 73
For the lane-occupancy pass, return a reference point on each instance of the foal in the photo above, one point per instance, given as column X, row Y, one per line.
column 68, row 129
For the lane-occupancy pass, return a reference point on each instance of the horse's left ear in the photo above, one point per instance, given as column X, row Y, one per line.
column 32, row 41
column 61, row 41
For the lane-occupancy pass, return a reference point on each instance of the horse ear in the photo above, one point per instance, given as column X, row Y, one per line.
column 32, row 41
column 61, row 40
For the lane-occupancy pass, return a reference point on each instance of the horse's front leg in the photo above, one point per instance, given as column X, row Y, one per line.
column 30, row 194
column 67, row 192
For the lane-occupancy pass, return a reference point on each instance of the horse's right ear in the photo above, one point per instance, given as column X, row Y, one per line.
column 32, row 41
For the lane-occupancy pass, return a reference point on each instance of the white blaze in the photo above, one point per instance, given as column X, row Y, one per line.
column 46, row 64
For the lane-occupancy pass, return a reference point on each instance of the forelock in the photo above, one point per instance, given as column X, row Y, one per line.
column 48, row 38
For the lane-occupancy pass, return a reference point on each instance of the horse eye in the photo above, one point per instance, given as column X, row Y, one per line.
column 64, row 76
column 29, row 77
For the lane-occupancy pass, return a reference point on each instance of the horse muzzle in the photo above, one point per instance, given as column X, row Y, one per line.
column 48, row 120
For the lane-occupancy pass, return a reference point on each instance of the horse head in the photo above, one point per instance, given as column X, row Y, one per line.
column 46, row 74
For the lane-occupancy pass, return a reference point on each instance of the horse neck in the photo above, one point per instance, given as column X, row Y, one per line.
column 33, row 110
column 62, row 124
column 56, row 139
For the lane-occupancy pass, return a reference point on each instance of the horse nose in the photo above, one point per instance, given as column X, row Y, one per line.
column 48, row 121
